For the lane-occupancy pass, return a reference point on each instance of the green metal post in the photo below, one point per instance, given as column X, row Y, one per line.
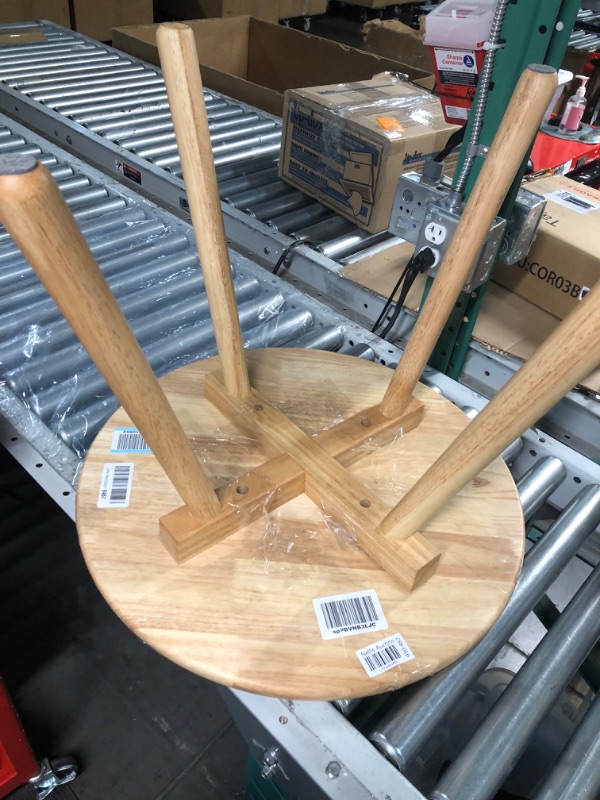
column 535, row 32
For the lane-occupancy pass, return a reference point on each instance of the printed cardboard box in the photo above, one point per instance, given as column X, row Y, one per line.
column 347, row 144
column 564, row 261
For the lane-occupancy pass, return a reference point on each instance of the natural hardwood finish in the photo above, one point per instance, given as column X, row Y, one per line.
column 179, row 62
column 279, row 480
column 328, row 484
column 530, row 100
column 37, row 217
column 565, row 358
column 241, row 611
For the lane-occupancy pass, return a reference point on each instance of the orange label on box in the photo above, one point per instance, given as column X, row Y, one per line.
column 389, row 124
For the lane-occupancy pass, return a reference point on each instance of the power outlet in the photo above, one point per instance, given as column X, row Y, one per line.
column 435, row 233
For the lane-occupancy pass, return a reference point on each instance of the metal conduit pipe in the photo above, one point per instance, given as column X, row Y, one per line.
column 490, row 755
column 411, row 723
column 576, row 774
column 539, row 482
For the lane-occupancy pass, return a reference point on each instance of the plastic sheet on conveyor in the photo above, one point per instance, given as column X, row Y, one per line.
column 149, row 258
column 113, row 107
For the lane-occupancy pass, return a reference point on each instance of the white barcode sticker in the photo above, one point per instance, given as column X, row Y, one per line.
column 384, row 655
column 349, row 614
column 128, row 440
column 573, row 201
column 115, row 486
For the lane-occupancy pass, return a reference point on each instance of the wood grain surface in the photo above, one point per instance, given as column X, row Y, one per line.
column 241, row 613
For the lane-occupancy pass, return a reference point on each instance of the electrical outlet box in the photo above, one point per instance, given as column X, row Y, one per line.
column 522, row 227
column 439, row 226
column 410, row 205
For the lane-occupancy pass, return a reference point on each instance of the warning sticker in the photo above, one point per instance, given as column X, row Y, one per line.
column 129, row 172
column 389, row 124
column 456, row 67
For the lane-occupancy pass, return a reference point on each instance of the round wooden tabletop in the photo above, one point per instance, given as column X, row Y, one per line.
column 241, row 613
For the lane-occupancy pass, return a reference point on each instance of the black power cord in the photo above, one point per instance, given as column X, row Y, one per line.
column 419, row 263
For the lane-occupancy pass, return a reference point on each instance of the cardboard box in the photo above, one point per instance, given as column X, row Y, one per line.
column 204, row 9
column 97, row 19
column 256, row 61
column 392, row 39
column 564, row 262
column 507, row 324
column 27, row 10
column 347, row 144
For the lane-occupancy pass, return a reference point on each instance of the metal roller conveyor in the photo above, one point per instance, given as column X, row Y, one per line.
column 117, row 108
column 150, row 261
column 52, row 403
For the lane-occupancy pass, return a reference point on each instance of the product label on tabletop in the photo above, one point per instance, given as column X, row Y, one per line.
column 349, row 614
column 384, row 655
column 115, row 486
column 128, row 440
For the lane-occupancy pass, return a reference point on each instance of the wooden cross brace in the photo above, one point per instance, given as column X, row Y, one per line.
column 301, row 464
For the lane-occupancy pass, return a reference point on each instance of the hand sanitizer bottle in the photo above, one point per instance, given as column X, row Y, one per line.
column 571, row 118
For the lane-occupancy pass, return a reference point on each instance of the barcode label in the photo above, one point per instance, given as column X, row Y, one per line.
column 128, row 440
column 573, row 201
column 384, row 655
column 115, row 486
column 349, row 614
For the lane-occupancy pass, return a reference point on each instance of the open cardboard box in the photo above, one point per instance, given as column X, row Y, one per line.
column 390, row 38
column 256, row 61
column 28, row 10
column 507, row 324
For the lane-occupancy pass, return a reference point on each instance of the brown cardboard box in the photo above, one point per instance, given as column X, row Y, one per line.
column 96, row 19
column 564, row 261
column 392, row 39
column 506, row 324
column 27, row 10
column 257, row 61
column 347, row 144
column 203, row 9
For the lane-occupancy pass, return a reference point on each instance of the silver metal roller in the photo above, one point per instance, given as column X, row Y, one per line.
column 488, row 758
column 410, row 724
column 576, row 774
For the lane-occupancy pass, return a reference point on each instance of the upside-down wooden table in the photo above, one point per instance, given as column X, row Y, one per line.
column 303, row 475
